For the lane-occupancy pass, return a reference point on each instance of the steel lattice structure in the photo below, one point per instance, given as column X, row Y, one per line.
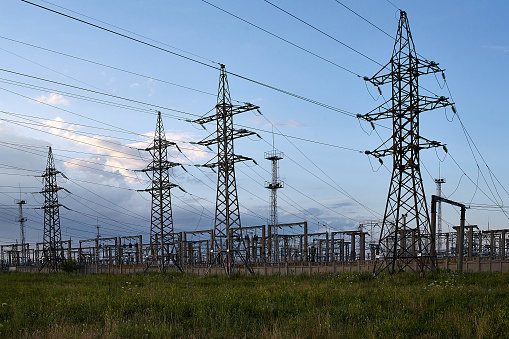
column 163, row 244
column 274, row 157
column 52, row 240
column 405, row 238
column 227, row 215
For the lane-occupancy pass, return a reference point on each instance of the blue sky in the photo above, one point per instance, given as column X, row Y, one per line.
column 467, row 38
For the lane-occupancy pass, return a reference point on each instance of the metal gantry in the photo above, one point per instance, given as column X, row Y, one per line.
column 162, row 236
column 439, row 183
column 227, row 215
column 53, row 253
column 405, row 239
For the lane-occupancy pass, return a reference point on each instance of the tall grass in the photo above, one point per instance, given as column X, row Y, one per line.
column 349, row 305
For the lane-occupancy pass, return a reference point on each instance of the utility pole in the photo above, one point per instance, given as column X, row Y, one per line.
column 21, row 221
column 227, row 215
column 163, row 244
column 406, row 192
column 439, row 183
column 274, row 157
column 53, row 253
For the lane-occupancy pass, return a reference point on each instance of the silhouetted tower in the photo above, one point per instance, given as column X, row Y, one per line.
column 53, row 253
column 274, row 157
column 163, row 243
column 21, row 221
column 405, row 238
column 227, row 215
column 439, row 183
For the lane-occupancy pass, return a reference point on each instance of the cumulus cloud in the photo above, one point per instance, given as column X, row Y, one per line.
column 113, row 160
column 53, row 99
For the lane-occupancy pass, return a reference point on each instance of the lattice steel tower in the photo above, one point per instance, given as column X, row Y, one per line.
column 163, row 242
column 405, row 238
column 227, row 215
column 53, row 253
column 274, row 157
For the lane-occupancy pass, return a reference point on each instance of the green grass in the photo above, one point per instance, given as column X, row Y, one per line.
column 350, row 305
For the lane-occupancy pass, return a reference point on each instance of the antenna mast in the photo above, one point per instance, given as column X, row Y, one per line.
column 274, row 156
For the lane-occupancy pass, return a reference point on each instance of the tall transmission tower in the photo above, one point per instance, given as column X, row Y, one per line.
column 53, row 253
column 439, row 183
column 21, row 221
column 227, row 215
column 163, row 243
column 274, row 157
column 405, row 238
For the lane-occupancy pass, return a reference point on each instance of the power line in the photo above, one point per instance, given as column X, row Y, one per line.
column 283, row 39
column 363, row 18
column 107, row 66
column 125, row 30
column 322, row 32
column 147, row 111
column 300, row 97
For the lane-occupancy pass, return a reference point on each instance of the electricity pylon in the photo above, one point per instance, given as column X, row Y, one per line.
column 163, row 243
column 405, row 238
column 274, row 157
column 227, row 215
column 53, row 253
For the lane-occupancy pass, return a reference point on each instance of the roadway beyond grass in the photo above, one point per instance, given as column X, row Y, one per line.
column 349, row 305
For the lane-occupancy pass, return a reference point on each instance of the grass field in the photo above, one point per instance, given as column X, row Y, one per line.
column 446, row 305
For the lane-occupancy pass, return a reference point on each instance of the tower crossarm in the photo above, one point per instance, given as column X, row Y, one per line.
column 428, row 67
column 163, row 144
column 377, row 113
column 426, row 144
column 236, row 134
column 235, row 109
column 157, row 189
column 423, row 67
column 163, row 165
column 236, row 158
column 425, row 104
column 423, row 144
column 379, row 78
column 431, row 103
column 54, row 189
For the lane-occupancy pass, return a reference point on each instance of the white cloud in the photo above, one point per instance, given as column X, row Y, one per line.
column 135, row 85
column 114, row 157
column 504, row 49
column 53, row 99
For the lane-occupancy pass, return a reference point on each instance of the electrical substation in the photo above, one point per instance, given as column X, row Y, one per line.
column 409, row 237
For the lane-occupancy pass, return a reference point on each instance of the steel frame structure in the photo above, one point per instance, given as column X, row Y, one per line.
column 53, row 253
column 162, row 237
column 227, row 214
column 405, row 237
column 274, row 157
